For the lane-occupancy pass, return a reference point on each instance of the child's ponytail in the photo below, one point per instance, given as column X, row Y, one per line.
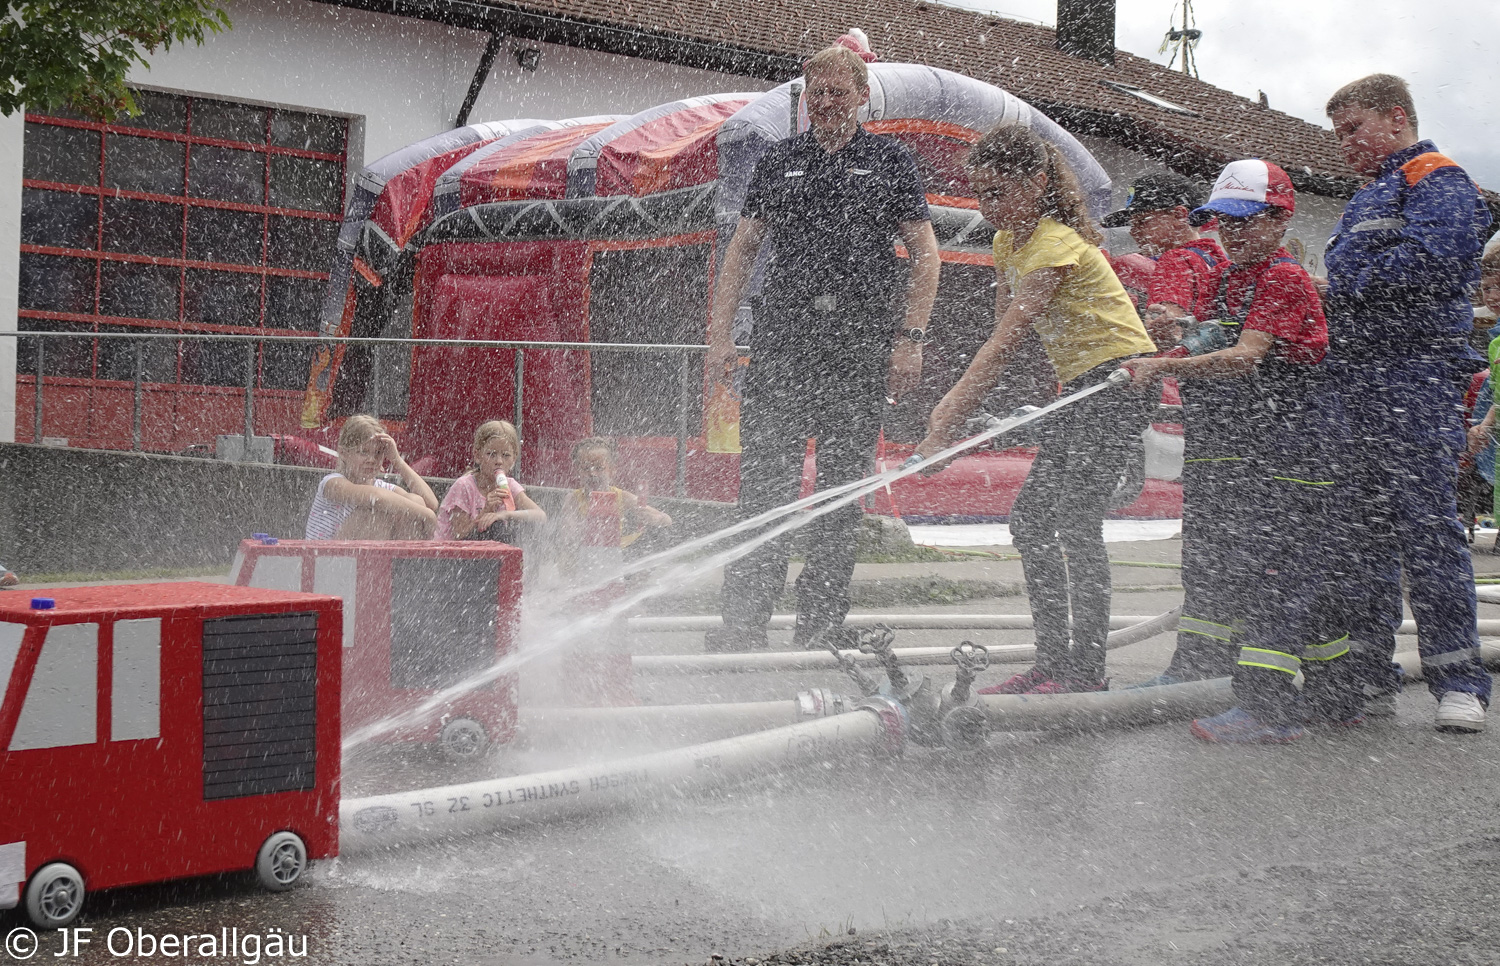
column 1015, row 151
column 1063, row 200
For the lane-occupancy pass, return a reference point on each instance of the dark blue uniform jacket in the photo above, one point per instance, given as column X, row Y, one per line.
column 1404, row 262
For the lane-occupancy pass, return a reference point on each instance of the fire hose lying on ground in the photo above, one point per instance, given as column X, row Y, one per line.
column 810, row 730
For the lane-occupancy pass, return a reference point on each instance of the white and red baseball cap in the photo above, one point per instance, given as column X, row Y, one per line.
column 1247, row 188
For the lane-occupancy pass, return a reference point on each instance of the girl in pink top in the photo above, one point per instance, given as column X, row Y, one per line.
column 485, row 495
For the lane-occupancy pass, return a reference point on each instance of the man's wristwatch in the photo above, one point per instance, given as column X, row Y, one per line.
column 916, row 336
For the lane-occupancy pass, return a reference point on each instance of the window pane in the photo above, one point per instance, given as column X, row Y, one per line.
column 228, row 174
column 59, row 218
column 310, row 132
column 159, row 112
column 224, row 298
column 284, row 365
column 73, row 358
column 293, row 303
column 216, row 235
column 306, row 183
column 229, row 122
column 142, row 227
column 53, row 153
column 213, row 363
column 305, row 243
column 57, row 283
column 143, row 164
column 117, row 357
column 138, row 291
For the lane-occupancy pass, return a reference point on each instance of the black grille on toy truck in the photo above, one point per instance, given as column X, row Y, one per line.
column 259, row 704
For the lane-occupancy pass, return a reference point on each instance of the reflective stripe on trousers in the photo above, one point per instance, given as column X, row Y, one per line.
column 1196, row 625
column 1269, row 659
column 1327, row 652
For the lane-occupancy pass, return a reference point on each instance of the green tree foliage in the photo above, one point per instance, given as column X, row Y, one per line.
column 75, row 53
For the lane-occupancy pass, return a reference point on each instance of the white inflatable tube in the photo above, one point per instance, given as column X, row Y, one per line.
column 1138, row 629
column 381, row 821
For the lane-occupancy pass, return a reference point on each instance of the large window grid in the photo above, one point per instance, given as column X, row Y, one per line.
column 200, row 215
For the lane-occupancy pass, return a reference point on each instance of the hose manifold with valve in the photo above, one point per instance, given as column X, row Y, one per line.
column 962, row 724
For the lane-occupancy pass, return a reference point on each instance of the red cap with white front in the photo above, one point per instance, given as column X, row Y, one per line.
column 1247, row 188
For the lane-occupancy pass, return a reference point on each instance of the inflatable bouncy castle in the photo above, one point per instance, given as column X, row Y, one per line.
column 605, row 229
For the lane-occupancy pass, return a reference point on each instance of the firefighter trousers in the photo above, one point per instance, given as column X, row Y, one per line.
column 1215, row 578
column 779, row 415
column 1295, row 620
column 1057, row 521
column 1407, row 422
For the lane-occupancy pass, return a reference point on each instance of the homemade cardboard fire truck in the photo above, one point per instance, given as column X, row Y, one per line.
column 419, row 617
column 159, row 731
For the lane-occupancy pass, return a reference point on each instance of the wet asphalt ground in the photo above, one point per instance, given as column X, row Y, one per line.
column 1377, row 844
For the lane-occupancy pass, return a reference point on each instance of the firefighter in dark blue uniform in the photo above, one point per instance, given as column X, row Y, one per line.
column 1402, row 266
column 840, row 323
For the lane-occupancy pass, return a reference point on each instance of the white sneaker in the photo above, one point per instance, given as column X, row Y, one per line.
column 1460, row 711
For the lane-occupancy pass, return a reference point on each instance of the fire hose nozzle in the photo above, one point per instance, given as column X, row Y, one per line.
column 1120, row 377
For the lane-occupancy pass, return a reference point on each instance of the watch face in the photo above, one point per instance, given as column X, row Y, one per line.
column 919, row 336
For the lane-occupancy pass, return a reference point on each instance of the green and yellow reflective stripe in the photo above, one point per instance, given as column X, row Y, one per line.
column 1293, row 479
column 1194, row 625
column 1327, row 652
column 1272, row 660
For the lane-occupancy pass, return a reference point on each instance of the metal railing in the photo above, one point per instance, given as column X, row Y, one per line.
column 685, row 354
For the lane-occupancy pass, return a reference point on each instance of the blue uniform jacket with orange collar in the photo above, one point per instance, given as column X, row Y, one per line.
column 1404, row 262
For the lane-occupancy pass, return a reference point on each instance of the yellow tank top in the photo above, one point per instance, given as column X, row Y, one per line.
column 1090, row 320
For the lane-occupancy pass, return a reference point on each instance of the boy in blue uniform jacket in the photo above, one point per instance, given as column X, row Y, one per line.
column 1402, row 266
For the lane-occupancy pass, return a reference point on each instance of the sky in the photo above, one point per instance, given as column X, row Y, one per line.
column 1300, row 52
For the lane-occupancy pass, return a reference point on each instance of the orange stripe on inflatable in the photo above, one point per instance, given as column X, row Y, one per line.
column 922, row 125
column 965, row 258
column 953, row 201
column 654, row 164
column 511, row 178
column 1422, row 165
column 366, row 271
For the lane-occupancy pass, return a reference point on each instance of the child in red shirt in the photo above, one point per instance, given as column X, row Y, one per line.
column 1185, row 274
column 1278, row 425
column 1183, row 263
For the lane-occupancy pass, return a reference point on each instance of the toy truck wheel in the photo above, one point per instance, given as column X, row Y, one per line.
column 462, row 739
column 281, row 861
column 54, row 896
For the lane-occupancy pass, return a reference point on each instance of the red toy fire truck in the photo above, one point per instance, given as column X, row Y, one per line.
column 419, row 616
column 158, row 731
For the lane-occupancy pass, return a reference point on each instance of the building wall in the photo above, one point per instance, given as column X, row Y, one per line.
column 10, row 264
column 400, row 80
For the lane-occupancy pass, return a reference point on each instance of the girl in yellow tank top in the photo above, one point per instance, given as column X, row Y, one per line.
column 1052, row 278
